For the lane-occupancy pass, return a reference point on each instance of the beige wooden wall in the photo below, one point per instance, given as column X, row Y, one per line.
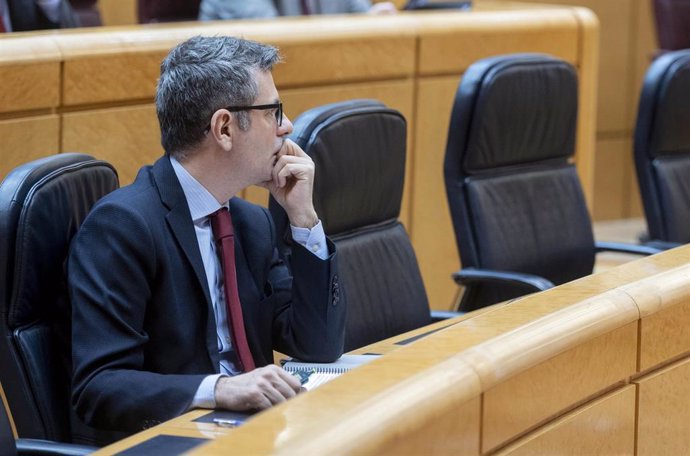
column 627, row 40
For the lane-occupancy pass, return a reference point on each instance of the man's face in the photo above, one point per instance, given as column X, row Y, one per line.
column 260, row 144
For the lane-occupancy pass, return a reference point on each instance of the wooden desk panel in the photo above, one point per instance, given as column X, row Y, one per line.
column 26, row 139
column 664, row 306
column 605, row 426
column 663, row 411
column 520, row 403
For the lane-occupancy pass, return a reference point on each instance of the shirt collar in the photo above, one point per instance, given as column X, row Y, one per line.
column 200, row 201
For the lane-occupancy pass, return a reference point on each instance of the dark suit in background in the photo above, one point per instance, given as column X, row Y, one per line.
column 26, row 15
column 144, row 332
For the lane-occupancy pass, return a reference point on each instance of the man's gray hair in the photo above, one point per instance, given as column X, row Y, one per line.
column 202, row 75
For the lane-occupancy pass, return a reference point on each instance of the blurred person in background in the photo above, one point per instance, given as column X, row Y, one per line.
column 240, row 9
column 24, row 15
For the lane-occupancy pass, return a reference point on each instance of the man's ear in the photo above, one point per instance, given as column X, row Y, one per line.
column 222, row 123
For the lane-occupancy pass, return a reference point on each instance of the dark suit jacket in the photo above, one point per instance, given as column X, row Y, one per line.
column 26, row 15
column 144, row 331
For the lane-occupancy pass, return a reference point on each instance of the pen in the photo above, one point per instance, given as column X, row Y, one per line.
column 226, row 422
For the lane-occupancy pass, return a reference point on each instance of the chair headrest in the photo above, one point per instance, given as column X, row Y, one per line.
column 358, row 148
column 664, row 110
column 42, row 203
column 513, row 110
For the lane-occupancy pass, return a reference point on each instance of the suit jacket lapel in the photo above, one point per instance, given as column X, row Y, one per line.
column 180, row 222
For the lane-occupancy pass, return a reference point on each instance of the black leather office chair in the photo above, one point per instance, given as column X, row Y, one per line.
column 358, row 148
column 518, row 210
column 10, row 445
column 42, row 203
column 662, row 149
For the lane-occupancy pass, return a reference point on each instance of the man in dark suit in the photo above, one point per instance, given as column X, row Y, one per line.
column 150, row 330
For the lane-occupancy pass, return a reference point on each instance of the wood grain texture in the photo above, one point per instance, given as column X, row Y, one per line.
column 447, row 47
column 604, row 426
column 535, row 395
column 26, row 139
column 126, row 137
column 664, row 304
column 432, row 235
column 29, row 86
column 663, row 411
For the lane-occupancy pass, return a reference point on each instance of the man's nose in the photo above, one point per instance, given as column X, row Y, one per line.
column 286, row 127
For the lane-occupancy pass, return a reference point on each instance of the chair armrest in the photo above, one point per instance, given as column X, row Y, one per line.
column 440, row 315
column 471, row 275
column 625, row 248
column 662, row 245
column 34, row 447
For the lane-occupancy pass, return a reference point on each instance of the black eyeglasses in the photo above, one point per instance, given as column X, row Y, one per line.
column 277, row 106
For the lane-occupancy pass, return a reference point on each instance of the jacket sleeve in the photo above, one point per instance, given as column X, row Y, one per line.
column 111, row 271
column 309, row 306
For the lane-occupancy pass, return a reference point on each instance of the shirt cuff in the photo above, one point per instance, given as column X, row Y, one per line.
column 313, row 239
column 205, row 396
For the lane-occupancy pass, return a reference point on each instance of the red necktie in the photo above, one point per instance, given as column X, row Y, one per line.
column 305, row 7
column 223, row 233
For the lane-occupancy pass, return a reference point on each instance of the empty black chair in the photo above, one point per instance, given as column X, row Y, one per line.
column 518, row 210
column 662, row 149
column 358, row 148
column 42, row 203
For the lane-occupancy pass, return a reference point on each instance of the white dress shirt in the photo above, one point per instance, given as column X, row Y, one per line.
column 202, row 204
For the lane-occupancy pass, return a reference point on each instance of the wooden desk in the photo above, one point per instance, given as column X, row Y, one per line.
column 91, row 90
column 595, row 366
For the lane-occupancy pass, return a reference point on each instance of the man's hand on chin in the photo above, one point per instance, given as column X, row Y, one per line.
column 292, row 184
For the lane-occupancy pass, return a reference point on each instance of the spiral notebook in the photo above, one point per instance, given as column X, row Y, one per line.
column 316, row 374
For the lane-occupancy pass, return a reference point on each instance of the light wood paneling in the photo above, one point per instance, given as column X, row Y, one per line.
column 611, row 175
column 432, row 235
column 32, row 86
column 665, row 316
column 663, row 411
column 126, row 137
column 118, row 12
column 101, row 79
column 523, row 401
column 444, row 51
column 328, row 61
column 26, row 139
column 605, row 426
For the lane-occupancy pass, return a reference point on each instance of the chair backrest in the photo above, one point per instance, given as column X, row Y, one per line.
column 514, row 195
column 168, row 10
column 662, row 147
column 359, row 149
column 42, row 203
column 672, row 24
